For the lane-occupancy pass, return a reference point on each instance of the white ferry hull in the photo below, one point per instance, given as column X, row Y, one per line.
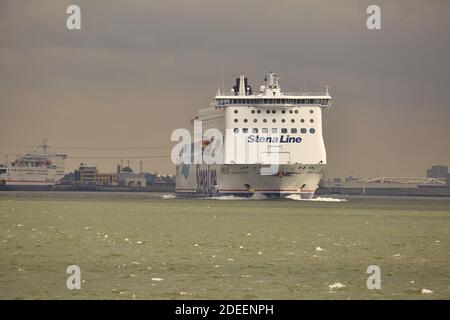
column 27, row 183
column 247, row 181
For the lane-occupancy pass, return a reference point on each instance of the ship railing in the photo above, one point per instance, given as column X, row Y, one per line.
column 283, row 94
column 218, row 102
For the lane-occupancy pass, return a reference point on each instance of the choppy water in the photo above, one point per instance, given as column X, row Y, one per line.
column 154, row 246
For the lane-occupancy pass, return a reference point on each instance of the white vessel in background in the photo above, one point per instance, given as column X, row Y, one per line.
column 37, row 168
column 283, row 126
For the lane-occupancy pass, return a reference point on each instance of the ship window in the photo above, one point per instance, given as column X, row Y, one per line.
column 267, row 111
column 274, row 120
column 253, row 111
column 296, row 111
column 311, row 111
column 283, row 130
column 312, row 130
column 264, row 120
column 290, row 111
column 292, row 120
column 235, row 111
column 294, row 130
column 264, row 130
column 259, row 111
column 255, row 130
column 235, row 120
column 254, row 120
column 283, row 111
column 282, row 120
column 303, row 130
column 244, row 130
column 245, row 120
column 303, row 120
column 273, row 111
column 311, row 120
column 274, row 130
column 236, row 130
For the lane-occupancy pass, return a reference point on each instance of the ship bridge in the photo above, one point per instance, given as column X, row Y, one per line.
column 270, row 94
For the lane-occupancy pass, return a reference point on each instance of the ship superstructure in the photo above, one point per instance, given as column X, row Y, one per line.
column 261, row 131
column 36, row 168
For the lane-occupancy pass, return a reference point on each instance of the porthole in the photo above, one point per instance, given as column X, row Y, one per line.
column 267, row 111
column 254, row 120
column 296, row 111
column 274, row 120
column 311, row 120
column 303, row 130
column 290, row 111
column 302, row 121
column 264, row 120
column 259, row 111
column 235, row 111
column 312, row 130
column 236, row 130
column 273, row 111
column 282, row 120
column 292, row 120
column 253, row 111
column 244, row 130
column 245, row 120
column 311, row 111
column 283, row 111
column 235, row 120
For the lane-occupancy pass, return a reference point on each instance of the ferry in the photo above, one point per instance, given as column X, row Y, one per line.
column 36, row 168
column 272, row 143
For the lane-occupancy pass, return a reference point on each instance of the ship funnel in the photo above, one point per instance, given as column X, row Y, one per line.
column 242, row 88
column 242, row 85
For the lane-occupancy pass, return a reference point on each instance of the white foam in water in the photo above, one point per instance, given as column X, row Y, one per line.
column 229, row 198
column 336, row 285
column 168, row 196
column 255, row 196
column 319, row 199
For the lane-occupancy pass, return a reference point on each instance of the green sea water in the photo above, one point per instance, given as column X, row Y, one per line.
column 154, row 246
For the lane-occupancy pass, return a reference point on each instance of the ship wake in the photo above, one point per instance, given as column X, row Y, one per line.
column 256, row 196
column 318, row 199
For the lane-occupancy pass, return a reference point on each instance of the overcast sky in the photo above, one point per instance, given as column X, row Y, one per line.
column 139, row 69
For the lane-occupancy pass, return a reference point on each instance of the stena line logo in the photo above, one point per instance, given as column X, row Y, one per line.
column 282, row 139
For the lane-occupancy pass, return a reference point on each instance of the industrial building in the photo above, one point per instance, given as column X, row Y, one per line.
column 437, row 171
column 126, row 177
column 89, row 175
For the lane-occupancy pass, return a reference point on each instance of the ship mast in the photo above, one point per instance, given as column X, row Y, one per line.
column 44, row 145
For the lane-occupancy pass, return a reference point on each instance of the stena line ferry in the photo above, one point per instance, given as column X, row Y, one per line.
column 272, row 143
